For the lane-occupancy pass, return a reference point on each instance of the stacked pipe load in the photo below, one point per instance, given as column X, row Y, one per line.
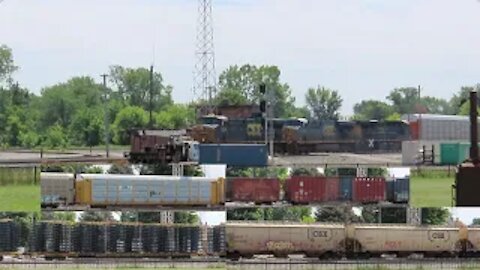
column 216, row 239
column 9, row 236
column 103, row 238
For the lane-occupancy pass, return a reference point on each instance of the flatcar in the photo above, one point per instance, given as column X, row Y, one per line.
column 61, row 240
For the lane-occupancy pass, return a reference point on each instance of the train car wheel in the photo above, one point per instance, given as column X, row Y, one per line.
column 234, row 256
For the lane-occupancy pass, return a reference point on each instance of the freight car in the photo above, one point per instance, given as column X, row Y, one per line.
column 60, row 240
column 351, row 241
column 297, row 136
column 160, row 146
column 317, row 189
column 106, row 191
column 9, row 237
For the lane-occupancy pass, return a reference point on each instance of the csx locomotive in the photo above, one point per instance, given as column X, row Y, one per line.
column 299, row 136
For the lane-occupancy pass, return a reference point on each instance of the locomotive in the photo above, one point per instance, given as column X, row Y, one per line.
column 299, row 136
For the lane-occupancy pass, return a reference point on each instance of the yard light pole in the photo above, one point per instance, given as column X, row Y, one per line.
column 106, row 120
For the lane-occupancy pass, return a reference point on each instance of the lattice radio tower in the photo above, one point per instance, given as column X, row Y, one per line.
column 205, row 77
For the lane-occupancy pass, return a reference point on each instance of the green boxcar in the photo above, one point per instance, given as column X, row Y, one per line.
column 454, row 153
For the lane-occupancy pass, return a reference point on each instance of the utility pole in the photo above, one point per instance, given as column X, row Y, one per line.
column 150, row 106
column 105, row 90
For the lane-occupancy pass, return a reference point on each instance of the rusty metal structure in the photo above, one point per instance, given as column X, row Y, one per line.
column 467, row 181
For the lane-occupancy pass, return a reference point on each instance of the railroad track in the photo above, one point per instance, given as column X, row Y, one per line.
column 311, row 264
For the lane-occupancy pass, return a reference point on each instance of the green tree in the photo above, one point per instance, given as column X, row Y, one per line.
column 305, row 172
column 55, row 137
column 376, row 214
column 87, row 127
column 60, row 103
column 324, row 103
column 287, row 213
column 459, row 99
column 239, row 85
column 128, row 118
column 245, row 214
column 372, row 109
column 337, row 214
column 120, row 169
column 476, row 221
column 7, row 65
column 176, row 116
column 436, row 105
column 133, row 85
column 184, row 217
column 405, row 99
column 96, row 216
column 59, row 216
column 435, row 216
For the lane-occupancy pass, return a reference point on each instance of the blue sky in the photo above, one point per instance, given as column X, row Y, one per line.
column 363, row 48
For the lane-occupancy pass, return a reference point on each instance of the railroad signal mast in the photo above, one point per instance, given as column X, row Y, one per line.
column 266, row 108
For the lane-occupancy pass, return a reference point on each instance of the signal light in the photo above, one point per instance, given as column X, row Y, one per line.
column 263, row 106
column 262, row 89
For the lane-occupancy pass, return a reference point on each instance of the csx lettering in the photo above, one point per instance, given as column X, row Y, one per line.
column 279, row 245
column 320, row 234
column 438, row 235
column 393, row 244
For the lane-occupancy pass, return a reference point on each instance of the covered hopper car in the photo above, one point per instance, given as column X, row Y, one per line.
column 353, row 241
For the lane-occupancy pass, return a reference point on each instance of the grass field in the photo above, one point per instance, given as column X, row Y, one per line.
column 19, row 198
column 431, row 189
column 96, row 267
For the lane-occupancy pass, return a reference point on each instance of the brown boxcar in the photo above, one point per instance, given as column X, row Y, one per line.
column 258, row 190
column 369, row 189
column 312, row 189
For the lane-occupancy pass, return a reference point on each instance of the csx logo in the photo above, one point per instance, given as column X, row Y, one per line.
column 438, row 235
column 435, row 236
column 254, row 130
column 319, row 234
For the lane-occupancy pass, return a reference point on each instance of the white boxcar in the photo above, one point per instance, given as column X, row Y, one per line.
column 433, row 127
column 247, row 239
column 406, row 239
column 57, row 188
column 112, row 190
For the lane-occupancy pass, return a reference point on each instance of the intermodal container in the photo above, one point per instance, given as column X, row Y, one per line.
column 258, row 190
column 242, row 155
column 390, row 190
column 401, row 192
column 369, row 189
column 454, row 153
column 346, row 187
column 310, row 189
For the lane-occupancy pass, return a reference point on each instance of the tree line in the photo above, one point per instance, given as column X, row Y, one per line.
column 71, row 113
